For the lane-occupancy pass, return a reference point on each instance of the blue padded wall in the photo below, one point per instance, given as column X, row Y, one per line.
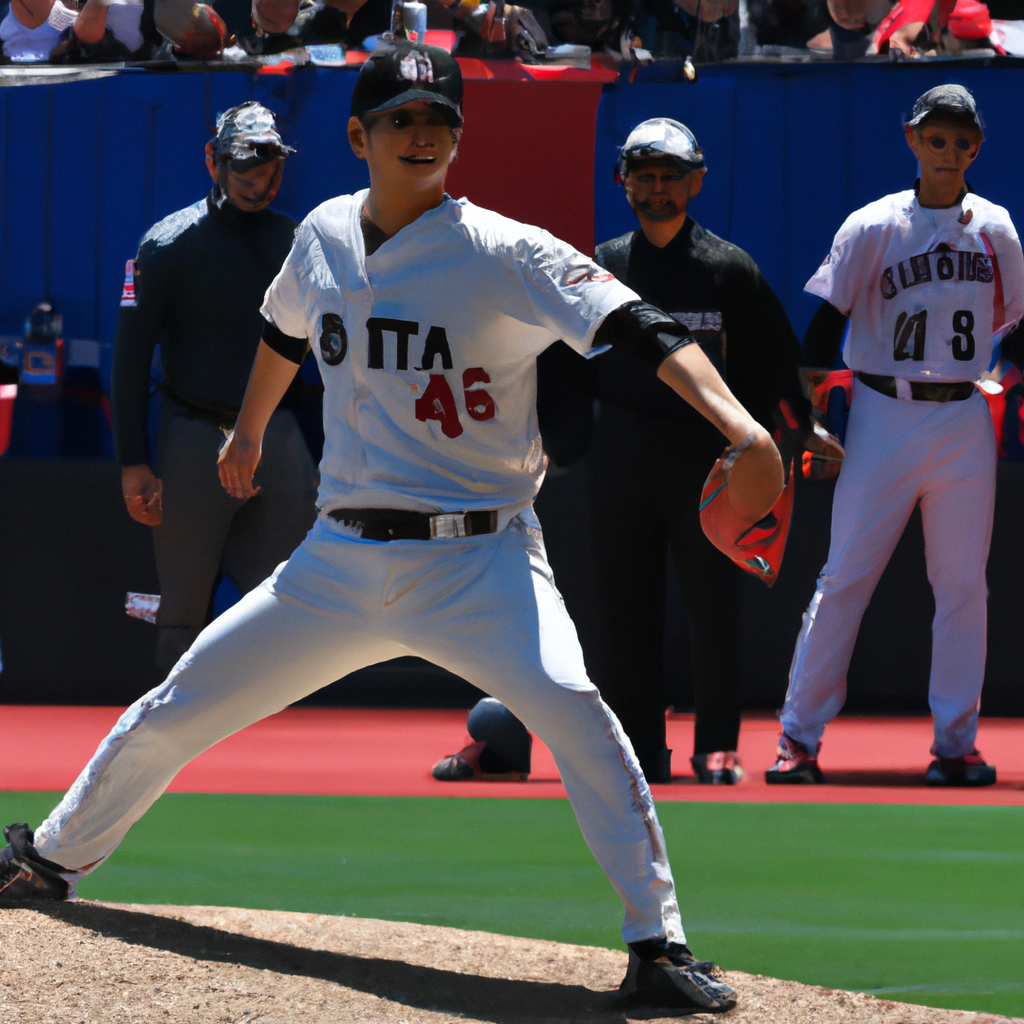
column 792, row 150
column 87, row 168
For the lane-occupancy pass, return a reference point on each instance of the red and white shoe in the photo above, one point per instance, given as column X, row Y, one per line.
column 795, row 764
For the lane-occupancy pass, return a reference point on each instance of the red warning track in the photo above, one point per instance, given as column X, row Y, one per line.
column 357, row 751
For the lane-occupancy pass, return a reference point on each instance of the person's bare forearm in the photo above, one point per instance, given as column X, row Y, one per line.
column 31, row 13
column 271, row 375
column 690, row 373
column 274, row 16
column 238, row 459
column 348, row 6
column 91, row 23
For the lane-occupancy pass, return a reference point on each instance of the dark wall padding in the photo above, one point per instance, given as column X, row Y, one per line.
column 69, row 552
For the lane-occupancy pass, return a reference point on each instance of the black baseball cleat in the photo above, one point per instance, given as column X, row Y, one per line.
column 666, row 974
column 969, row 770
column 722, row 768
column 24, row 874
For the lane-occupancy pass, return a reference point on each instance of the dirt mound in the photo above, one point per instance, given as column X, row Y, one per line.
column 109, row 964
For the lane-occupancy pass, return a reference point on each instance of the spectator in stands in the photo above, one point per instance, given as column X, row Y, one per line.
column 106, row 32
column 706, row 30
column 790, row 23
column 196, row 288
column 32, row 28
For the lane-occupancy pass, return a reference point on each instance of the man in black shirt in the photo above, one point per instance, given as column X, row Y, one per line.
column 650, row 454
column 196, row 288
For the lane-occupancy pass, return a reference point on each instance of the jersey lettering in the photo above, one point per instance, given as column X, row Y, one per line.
column 437, row 344
column 438, row 403
column 479, row 403
column 963, row 340
column 909, row 335
column 942, row 264
column 909, row 329
column 402, row 329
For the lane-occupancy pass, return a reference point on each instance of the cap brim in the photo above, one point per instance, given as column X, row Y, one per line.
column 951, row 111
column 451, row 111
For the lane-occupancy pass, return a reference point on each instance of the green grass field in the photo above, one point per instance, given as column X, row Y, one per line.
column 923, row 904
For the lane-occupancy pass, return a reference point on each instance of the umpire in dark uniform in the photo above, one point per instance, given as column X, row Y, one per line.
column 651, row 454
column 195, row 289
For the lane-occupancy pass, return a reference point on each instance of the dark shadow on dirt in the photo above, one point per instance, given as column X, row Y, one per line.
column 912, row 778
column 493, row 999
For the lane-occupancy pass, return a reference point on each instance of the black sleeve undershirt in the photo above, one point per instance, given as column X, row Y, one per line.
column 824, row 337
column 138, row 331
column 643, row 331
column 292, row 349
column 1012, row 346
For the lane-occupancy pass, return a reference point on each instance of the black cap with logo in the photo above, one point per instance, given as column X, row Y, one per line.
column 400, row 72
column 946, row 99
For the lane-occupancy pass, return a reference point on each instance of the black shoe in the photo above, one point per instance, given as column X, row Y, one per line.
column 666, row 974
column 722, row 768
column 969, row 770
column 24, row 875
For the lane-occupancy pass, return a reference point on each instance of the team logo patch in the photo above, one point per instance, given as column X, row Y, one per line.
column 128, row 291
column 415, row 67
column 709, row 321
column 333, row 339
column 589, row 272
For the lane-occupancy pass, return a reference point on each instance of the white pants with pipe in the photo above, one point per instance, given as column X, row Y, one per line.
column 901, row 453
column 484, row 607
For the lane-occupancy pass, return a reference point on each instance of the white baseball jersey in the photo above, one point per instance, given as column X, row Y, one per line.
column 428, row 347
column 926, row 290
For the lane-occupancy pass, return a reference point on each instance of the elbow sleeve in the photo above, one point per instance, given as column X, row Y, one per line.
column 824, row 338
column 644, row 331
column 292, row 349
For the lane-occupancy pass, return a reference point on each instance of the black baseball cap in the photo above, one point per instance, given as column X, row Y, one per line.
column 400, row 72
column 946, row 99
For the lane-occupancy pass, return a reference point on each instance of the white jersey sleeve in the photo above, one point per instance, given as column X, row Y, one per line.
column 1009, row 265
column 568, row 293
column 286, row 301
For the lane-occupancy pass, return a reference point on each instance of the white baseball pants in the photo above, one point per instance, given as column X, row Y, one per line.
column 484, row 607
column 901, row 453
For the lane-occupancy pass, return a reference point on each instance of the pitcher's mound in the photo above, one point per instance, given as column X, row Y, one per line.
column 104, row 963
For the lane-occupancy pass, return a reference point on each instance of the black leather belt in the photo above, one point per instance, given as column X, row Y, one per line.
column 920, row 390
column 398, row 524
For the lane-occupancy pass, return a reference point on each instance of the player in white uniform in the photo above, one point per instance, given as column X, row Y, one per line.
column 928, row 280
column 426, row 316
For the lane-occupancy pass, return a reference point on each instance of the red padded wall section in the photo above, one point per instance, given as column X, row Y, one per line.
column 528, row 152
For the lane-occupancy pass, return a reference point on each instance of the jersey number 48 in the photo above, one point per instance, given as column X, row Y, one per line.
column 909, row 335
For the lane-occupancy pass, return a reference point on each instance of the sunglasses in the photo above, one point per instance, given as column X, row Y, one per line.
column 938, row 142
column 261, row 153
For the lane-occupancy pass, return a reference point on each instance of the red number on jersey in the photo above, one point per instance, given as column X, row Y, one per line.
column 479, row 403
column 438, row 403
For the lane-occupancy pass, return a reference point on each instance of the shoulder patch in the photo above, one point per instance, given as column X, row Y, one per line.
column 128, row 291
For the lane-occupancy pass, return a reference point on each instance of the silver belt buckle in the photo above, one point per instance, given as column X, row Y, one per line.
column 448, row 526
